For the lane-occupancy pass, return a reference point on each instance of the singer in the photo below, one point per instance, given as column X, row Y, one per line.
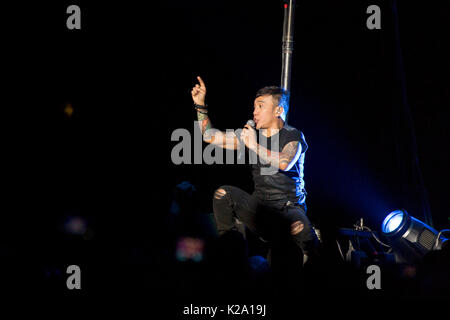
column 276, row 211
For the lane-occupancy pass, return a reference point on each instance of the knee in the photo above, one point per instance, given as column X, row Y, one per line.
column 297, row 227
column 220, row 193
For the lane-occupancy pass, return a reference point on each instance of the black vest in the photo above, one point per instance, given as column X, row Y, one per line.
column 281, row 185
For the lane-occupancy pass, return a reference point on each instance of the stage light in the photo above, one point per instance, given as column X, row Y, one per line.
column 410, row 238
column 392, row 221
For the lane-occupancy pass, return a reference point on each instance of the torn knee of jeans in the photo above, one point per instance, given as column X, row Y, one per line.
column 297, row 227
column 220, row 193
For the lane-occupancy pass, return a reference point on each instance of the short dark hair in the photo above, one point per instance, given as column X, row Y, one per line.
column 277, row 94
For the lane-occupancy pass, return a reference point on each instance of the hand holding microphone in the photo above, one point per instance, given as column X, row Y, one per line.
column 248, row 135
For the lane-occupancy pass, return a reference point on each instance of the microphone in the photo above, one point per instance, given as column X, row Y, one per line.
column 251, row 123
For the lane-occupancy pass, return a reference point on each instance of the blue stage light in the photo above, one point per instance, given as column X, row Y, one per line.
column 409, row 237
column 393, row 221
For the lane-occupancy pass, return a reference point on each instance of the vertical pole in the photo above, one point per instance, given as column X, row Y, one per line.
column 287, row 48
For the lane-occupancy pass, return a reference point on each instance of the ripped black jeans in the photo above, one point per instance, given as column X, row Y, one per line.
column 273, row 221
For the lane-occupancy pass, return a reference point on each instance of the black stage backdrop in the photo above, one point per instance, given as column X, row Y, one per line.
column 88, row 117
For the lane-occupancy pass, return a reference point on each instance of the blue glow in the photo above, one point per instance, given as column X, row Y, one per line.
column 392, row 221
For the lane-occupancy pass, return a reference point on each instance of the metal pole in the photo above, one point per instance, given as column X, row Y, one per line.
column 287, row 48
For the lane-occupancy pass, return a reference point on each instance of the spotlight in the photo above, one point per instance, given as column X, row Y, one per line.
column 410, row 238
column 392, row 222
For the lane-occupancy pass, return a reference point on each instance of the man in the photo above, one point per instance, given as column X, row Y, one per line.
column 276, row 210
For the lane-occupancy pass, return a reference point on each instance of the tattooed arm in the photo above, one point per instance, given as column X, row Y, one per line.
column 226, row 140
column 284, row 159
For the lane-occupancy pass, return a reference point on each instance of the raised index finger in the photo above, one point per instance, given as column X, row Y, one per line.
column 202, row 84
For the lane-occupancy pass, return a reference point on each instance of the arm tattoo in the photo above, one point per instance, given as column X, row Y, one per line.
column 205, row 123
column 268, row 156
column 289, row 152
column 208, row 132
column 215, row 136
column 279, row 159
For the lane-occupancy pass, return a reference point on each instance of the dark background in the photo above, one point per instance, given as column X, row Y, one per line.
column 128, row 74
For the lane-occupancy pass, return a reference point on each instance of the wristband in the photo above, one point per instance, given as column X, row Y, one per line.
column 199, row 110
column 198, row 106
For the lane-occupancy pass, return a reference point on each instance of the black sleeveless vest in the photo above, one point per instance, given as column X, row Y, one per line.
column 276, row 184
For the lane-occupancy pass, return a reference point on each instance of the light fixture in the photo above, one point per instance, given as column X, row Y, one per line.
column 410, row 238
column 392, row 222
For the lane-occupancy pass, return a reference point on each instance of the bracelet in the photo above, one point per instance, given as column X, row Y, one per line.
column 197, row 106
column 198, row 110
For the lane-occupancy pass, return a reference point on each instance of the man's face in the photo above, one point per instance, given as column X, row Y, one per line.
column 265, row 112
